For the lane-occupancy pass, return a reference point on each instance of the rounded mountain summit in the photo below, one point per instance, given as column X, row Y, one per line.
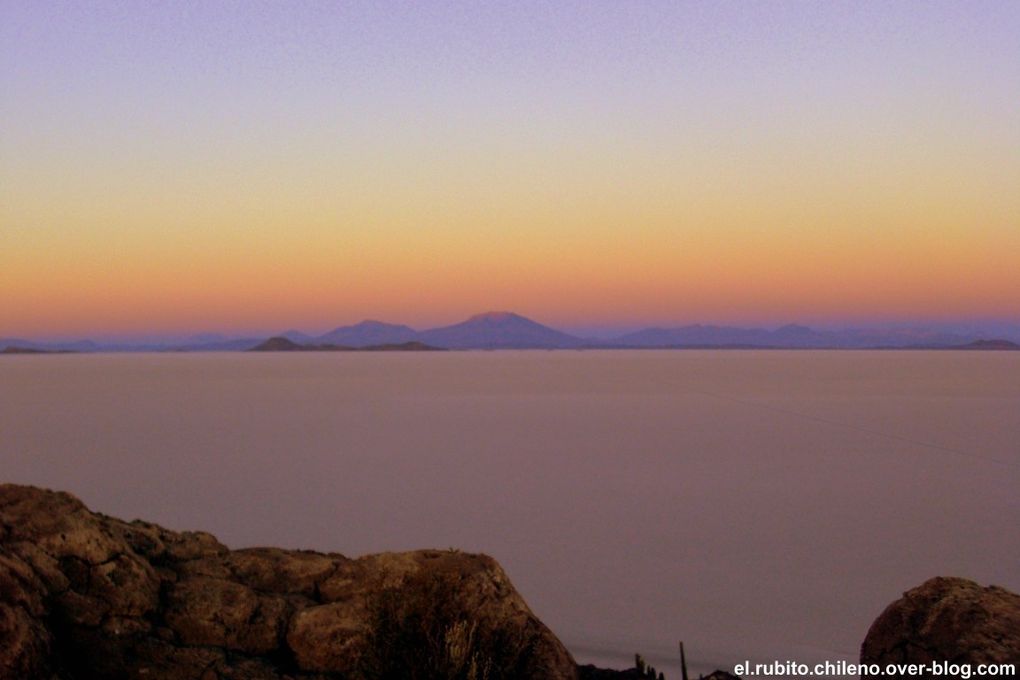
column 498, row 330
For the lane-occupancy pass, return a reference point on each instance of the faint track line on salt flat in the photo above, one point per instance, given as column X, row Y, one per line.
column 858, row 428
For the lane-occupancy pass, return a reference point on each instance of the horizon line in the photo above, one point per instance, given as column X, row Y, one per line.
column 581, row 330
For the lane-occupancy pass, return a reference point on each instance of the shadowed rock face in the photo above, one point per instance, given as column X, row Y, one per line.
column 83, row 595
column 947, row 619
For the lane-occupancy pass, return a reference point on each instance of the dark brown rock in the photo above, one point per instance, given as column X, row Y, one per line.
column 211, row 612
column 947, row 620
column 25, row 643
column 83, row 595
column 326, row 637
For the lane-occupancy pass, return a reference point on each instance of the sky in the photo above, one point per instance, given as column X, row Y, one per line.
column 226, row 166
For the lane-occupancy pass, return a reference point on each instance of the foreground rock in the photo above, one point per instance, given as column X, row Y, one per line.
column 87, row 596
column 947, row 619
column 83, row 595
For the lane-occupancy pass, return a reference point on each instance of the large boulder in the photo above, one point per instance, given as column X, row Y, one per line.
column 83, row 595
column 947, row 620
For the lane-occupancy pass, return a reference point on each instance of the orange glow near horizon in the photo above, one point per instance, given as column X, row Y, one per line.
column 683, row 188
column 572, row 266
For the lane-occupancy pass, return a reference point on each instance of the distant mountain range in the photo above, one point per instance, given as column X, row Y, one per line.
column 506, row 330
column 69, row 346
column 283, row 344
column 363, row 334
column 500, row 330
column 791, row 337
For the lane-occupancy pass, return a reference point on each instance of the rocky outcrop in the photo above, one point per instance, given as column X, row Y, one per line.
column 83, row 595
column 947, row 620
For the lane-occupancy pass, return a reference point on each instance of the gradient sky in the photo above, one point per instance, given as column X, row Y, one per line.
column 184, row 166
